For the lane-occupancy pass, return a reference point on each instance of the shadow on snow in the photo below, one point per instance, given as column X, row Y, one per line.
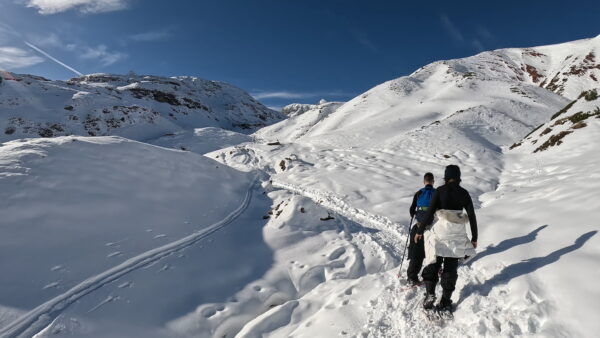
column 524, row 267
column 508, row 244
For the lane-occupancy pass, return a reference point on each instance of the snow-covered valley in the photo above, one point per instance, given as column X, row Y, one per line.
column 298, row 229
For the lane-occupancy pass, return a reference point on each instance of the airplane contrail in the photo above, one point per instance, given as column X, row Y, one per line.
column 53, row 58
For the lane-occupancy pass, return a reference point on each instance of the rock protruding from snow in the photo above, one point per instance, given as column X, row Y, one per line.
column 575, row 116
column 136, row 107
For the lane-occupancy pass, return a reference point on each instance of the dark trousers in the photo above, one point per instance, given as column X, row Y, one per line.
column 416, row 254
column 449, row 276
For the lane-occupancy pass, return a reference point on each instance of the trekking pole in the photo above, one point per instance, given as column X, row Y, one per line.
column 406, row 246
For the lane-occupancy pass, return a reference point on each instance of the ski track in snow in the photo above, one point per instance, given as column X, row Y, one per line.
column 40, row 317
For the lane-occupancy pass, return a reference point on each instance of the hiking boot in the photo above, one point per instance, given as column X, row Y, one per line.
column 429, row 301
column 445, row 304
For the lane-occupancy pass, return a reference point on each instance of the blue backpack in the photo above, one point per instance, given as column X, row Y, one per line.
column 425, row 197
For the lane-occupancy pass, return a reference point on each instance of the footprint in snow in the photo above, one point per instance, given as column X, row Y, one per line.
column 56, row 268
column 52, row 285
column 114, row 254
column 337, row 253
column 108, row 299
column 126, row 285
column 208, row 312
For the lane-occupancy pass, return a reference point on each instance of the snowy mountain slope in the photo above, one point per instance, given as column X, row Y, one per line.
column 301, row 119
column 300, row 108
column 440, row 89
column 384, row 139
column 314, row 252
column 201, row 140
column 75, row 207
column 540, row 222
column 136, row 107
column 457, row 111
column 370, row 154
column 96, row 228
column 574, row 116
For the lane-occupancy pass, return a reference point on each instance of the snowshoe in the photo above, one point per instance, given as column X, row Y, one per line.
column 445, row 308
column 412, row 284
column 428, row 301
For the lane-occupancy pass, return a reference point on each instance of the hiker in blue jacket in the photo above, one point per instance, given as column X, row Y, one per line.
column 418, row 210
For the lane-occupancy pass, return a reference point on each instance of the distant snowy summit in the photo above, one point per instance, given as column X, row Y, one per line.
column 301, row 108
column 516, row 87
column 566, row 68
column 136, row 107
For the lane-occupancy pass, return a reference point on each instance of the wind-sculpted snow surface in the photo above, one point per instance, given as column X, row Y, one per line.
column 312, row 247
column 40, row 317
column 80, row 213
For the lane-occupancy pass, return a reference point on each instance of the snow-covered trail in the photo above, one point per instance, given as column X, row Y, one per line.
column 390, row 235
column 40, row 317
column 383, row 307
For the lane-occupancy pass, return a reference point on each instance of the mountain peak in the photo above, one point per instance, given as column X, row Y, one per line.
column 139, row 107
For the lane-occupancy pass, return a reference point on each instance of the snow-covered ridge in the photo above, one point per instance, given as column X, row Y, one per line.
column 301, row 108
column 301, row 119
column 137, row 107
column 505, row 80
column 566, row 68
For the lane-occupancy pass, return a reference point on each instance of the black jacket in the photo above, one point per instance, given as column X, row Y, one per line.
column 413, row 206
column 451, row 196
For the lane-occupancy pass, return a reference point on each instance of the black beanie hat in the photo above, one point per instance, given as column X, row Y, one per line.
column 452, row 172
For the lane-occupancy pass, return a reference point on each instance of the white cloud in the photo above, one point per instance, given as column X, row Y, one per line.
column 451, row 28
column 484, row 32
column 478, row 45
column 13, row 57
column 84, row 6
column 102, row 54
column 150, row 36
column 279, row 95
column 276, row 108
column 364, row 40
column 284, row 94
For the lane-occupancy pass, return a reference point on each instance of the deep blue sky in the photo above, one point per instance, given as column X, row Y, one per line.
column 282, row 51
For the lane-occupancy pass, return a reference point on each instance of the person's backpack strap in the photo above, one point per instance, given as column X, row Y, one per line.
column 425, row 198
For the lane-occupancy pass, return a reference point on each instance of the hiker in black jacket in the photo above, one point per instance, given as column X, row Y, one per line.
column 446, row 241
column 418, row 210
